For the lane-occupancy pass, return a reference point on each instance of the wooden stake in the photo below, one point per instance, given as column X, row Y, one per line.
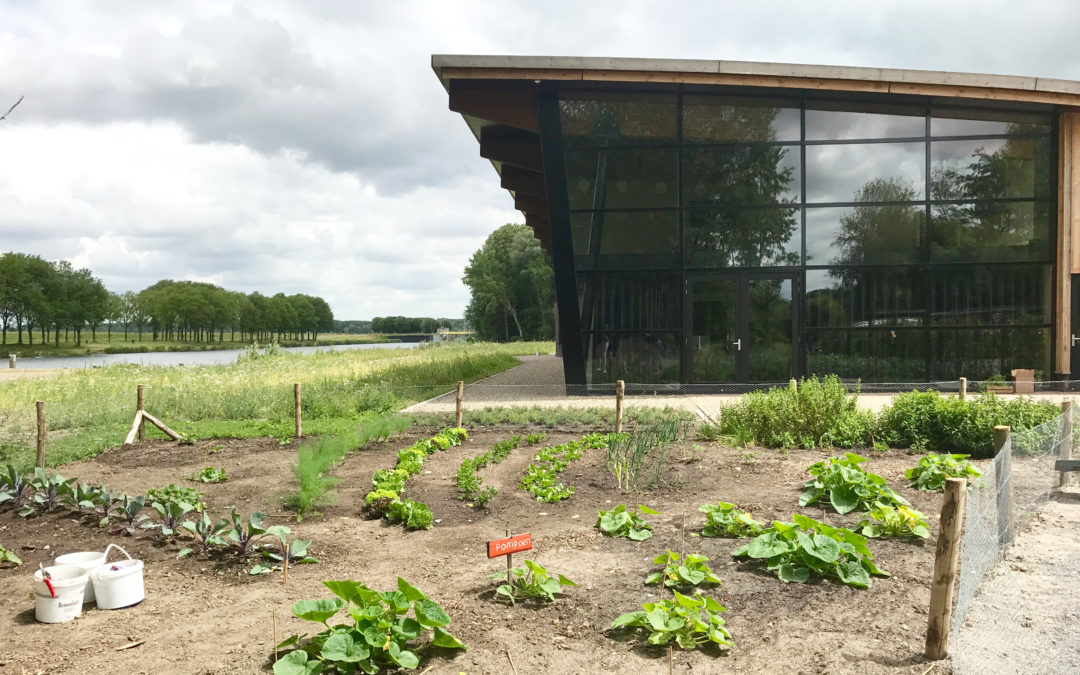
column 513, row 668
column 620, row 391
column 963, row 388
column 134, row 428
column 273, row 622
column 140, row 406
column 296, row 403
column 1066, row 442
column 1002, row 484
column 285, row 573
column 946, row 560
column 160, row 425
column 41, row 434
column 457, row 407
column 509, row 564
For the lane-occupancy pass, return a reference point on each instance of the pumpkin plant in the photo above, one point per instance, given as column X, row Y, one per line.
column 620, row 522
column 380, row 635
column 688, row 620
column 727, row 520
column 848, row 486
column 932, row 470
column 533, row 581
column 680, row 572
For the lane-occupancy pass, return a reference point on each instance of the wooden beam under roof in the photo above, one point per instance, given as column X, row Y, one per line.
column 510, row 145
column 530, row 204
column 508, row 102
column 521, row 181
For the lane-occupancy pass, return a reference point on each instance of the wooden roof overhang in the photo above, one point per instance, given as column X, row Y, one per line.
column 497, row 96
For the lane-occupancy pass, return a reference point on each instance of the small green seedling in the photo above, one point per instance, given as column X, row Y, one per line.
column 726, row 520
column 49, row 490
column 620, row 522
column 688, row 620
column 14, row 488
column 533, row 581
column 246, row 535
column 295, row 551
column 130, row 508
column 691, row 571
column 211, row 475
column 7, row 556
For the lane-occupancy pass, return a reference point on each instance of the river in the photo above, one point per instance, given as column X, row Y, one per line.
column 181, row 358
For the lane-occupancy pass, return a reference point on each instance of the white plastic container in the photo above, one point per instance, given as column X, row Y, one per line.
column 88, row 561
column 64, row 602
column 118, row 584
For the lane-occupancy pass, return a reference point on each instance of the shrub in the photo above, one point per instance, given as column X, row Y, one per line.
column 929, row 421
column 817, row 413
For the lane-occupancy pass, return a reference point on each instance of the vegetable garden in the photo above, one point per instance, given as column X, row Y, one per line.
column 648, row 547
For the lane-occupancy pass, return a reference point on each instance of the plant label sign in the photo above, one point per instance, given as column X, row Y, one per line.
column 510, row 545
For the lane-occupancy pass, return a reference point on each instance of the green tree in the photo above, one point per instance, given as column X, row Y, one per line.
column 512, row 287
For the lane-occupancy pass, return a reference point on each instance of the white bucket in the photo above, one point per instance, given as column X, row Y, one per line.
column 64, row 602
column 118, row 584
column 88, row 561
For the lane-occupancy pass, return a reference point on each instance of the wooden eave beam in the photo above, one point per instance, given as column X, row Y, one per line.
column 524, row 182
column 523, row 202
column 511, row 145
column 775, row 81
column 511, row 103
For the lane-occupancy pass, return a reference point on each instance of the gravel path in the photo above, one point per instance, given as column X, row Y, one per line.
column 1026, row 617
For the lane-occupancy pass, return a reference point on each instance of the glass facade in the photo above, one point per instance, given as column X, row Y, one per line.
column 737, row 238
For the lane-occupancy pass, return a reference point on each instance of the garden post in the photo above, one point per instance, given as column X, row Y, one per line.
column 1065, row 443
column 140, row 406
column 946, row 559
column 11, row 360
column 620, row 391
column 296, row 405
column 1002, row 484
column 41, row 434
column 793, row 384
column 457, row 404
column 963, row 388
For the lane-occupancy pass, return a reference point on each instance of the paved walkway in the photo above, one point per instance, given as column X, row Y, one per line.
column 538, row 381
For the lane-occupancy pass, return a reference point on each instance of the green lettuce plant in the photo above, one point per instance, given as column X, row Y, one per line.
column 898, row 521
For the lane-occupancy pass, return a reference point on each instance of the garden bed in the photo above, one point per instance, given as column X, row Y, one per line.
column 207, row 615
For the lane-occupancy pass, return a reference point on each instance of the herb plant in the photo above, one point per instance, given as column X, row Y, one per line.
column 806, row 546
column 379, row 636
column 532, row 581
column 932, row 470
column 211, row 475
column 898, row 521
column 637, row 459
column 849, row 487
column 620, row 522
column 680, row 572
column 688, row 620
column 726, row 520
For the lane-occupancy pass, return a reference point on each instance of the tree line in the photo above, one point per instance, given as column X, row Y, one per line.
column 413, row 324
column 49, row 298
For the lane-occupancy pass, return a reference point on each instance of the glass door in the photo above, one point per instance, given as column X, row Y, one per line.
column 741, row 328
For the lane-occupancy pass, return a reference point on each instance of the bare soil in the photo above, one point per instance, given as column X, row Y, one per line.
column 207, row 615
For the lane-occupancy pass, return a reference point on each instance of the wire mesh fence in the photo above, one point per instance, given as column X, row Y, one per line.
column 992, row 607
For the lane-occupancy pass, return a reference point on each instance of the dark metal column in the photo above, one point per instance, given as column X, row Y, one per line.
column 562, row 244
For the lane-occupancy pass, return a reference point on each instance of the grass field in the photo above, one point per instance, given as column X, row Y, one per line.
column 138, row 343
column 89, row 410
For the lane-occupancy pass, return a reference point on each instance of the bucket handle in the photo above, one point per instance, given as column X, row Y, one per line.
column 109, row 548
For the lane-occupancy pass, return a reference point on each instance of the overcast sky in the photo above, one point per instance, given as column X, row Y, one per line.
column 306, row 147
